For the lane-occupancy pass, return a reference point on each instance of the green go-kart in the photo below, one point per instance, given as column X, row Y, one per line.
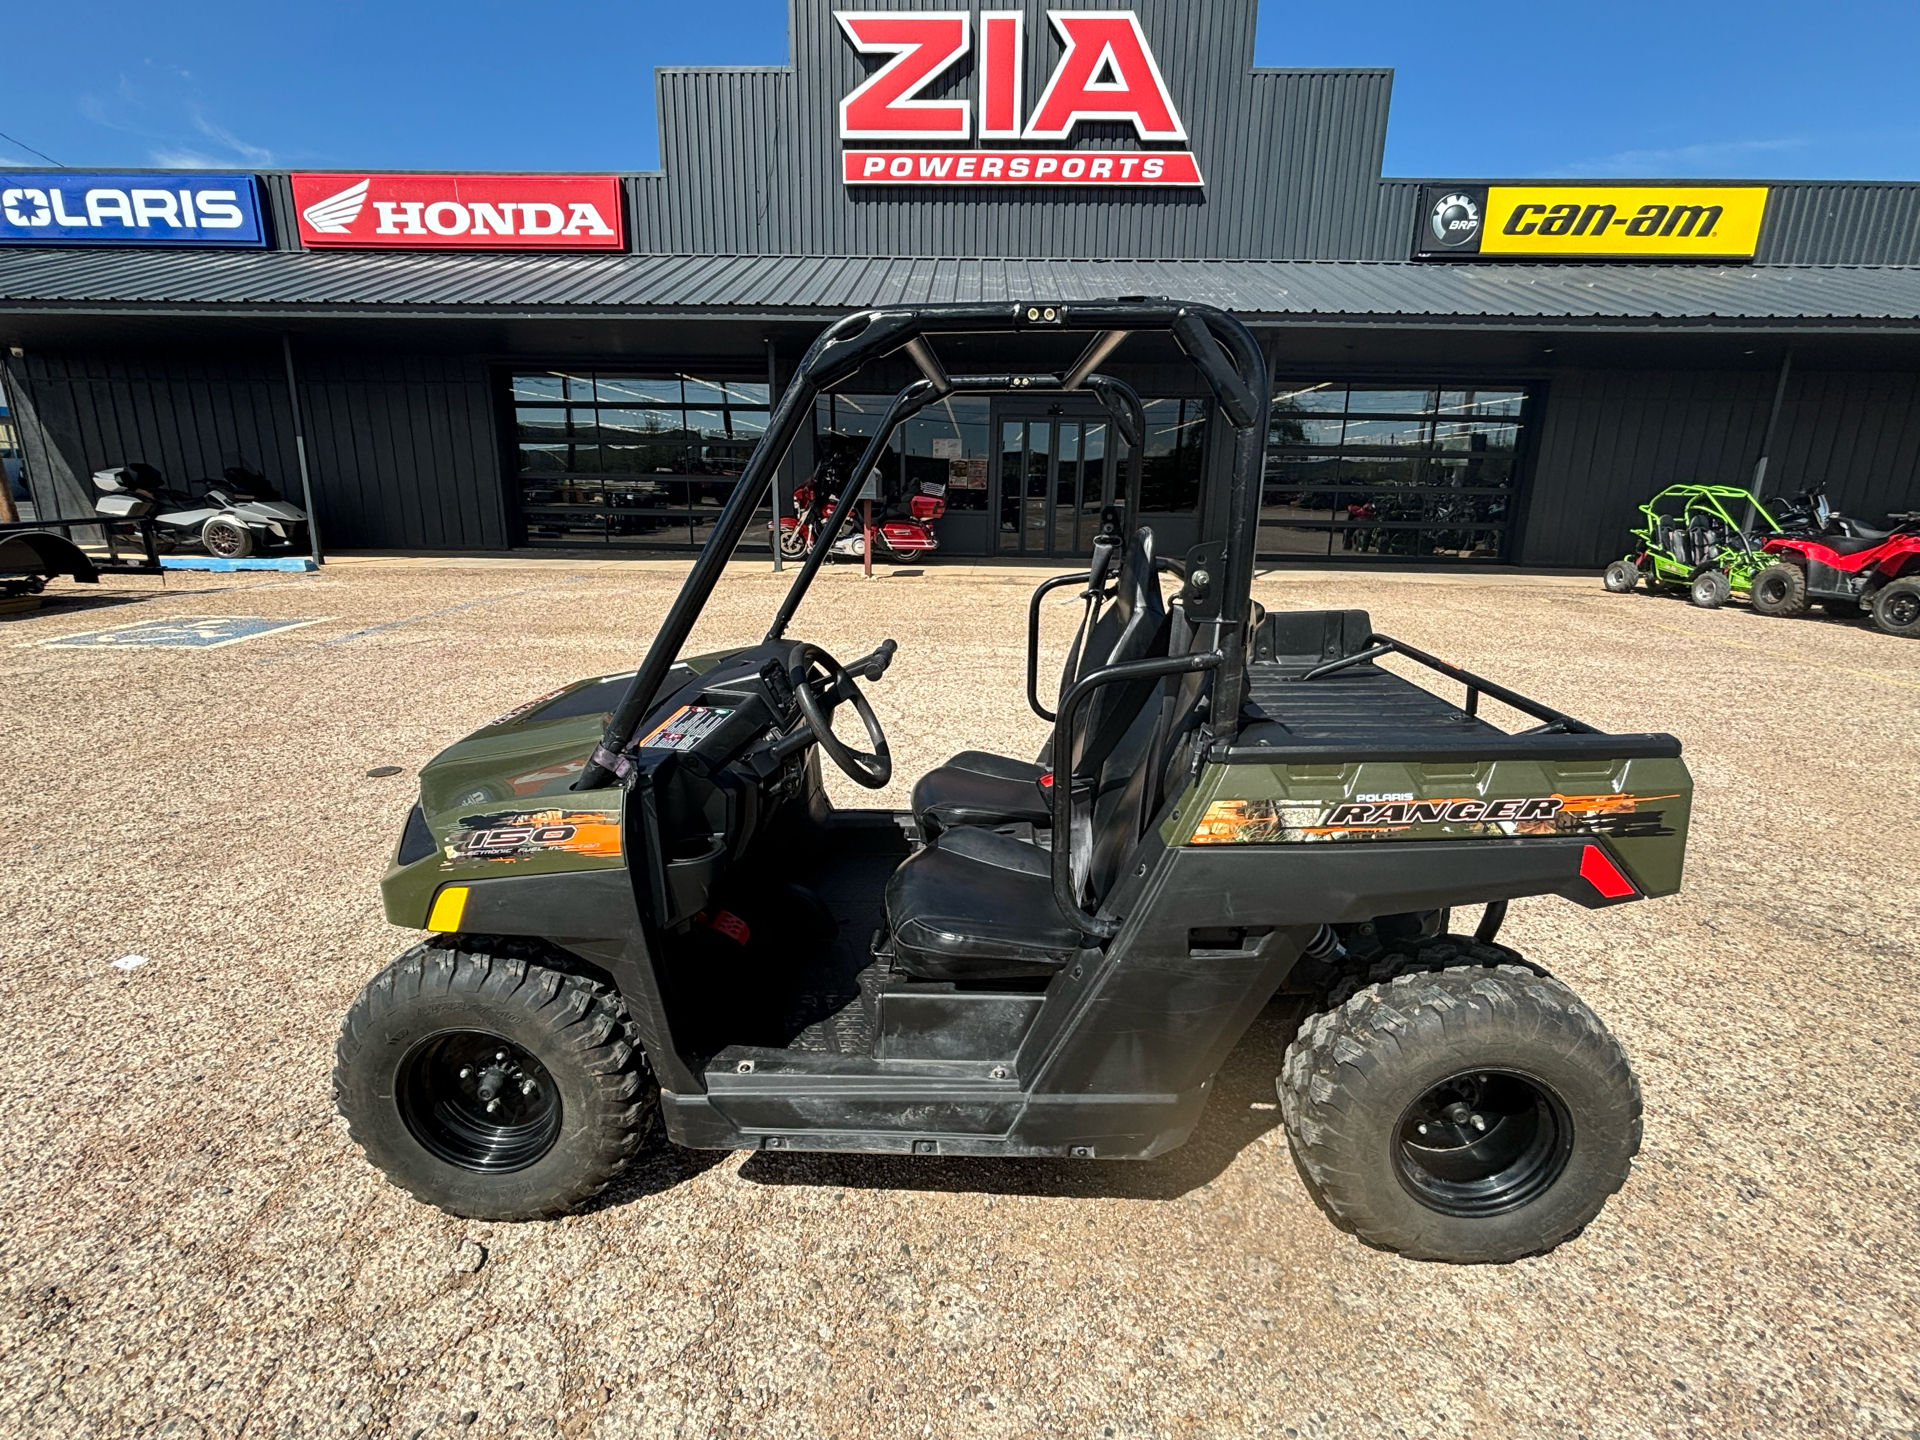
column 1702, row 540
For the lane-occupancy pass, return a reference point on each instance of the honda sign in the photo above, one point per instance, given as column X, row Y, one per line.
column 459, row 212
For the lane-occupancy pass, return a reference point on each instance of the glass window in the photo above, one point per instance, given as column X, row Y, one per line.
column 724, row 392
column 638, row 390
column 947, row 451
column 1298, row 430
column 634, row 459
column 1170, row 459
column 1395, row 470
column 1291, row 398
column 1382, row 400
column 1397, row 434
column 1480, row 404
column 538, row 387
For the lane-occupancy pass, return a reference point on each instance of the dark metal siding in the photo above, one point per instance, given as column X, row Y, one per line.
column 1611, row 438
column 1810, row 223
column 403, row 451
column 407, row 452
column 750, row 157
column 191, row 419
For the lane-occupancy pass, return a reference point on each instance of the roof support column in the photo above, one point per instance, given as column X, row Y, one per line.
column 300, row 448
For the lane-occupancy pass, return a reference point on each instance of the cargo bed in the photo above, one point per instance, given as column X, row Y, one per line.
column 1317, row 693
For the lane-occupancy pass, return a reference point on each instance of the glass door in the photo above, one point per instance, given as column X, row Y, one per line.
column 1057, row 473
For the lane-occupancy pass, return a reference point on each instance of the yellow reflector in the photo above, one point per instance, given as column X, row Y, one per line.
column 448, row 908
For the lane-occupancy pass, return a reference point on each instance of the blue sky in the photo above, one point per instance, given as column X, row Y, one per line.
column 1627, row 88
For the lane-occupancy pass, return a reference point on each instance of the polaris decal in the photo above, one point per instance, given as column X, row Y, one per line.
column 517, row 835
column 1377, row 817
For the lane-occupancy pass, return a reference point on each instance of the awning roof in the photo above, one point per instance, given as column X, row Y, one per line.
column 290, row 283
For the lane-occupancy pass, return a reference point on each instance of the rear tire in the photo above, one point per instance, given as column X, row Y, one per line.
column 1450, row 1049
column 1621, row 576
column 1896, row 609
column 1710, row 590
column 1780, row 590
column 492, row 1086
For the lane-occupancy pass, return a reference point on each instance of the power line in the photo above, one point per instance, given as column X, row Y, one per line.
column 29, row 149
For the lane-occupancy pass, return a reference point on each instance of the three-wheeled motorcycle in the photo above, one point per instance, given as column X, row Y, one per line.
column 644, row 911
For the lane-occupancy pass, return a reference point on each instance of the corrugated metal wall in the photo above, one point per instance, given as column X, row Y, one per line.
column 1292, row 158
column 1611, row 438
column 404, row 452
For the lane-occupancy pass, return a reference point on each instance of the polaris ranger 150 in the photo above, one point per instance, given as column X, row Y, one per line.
column 644, row 910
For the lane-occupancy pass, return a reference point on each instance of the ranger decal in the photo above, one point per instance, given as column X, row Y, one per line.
column 1275, row 822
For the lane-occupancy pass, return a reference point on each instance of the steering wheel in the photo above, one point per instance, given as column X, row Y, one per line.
column 872, row 771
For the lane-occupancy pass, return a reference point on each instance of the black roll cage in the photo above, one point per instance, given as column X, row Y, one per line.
column 1220, row 348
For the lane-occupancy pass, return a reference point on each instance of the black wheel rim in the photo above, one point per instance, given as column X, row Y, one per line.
column 479, row 1101
column 1902, row 610
column 223, row 541
column 1482, row 1143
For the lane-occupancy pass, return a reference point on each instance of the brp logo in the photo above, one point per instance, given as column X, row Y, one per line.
column 1454, row 220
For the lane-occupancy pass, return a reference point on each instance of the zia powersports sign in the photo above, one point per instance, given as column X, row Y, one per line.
column 1106, row 72
column 458, row 212
column 1591, row 222
column 75, row 207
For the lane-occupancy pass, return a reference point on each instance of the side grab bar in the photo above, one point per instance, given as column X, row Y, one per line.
column 1064, row 894
column 1033, row 638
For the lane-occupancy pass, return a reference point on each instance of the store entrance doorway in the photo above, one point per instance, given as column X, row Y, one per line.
column 1057, row 468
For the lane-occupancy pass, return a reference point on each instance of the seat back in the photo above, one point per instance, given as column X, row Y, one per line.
column 1132, row 627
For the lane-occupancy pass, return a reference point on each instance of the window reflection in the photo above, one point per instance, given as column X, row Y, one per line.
column 631, row 459
column 1390, row 470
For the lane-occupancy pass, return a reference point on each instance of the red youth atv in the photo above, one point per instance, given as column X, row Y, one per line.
column 1873, row 570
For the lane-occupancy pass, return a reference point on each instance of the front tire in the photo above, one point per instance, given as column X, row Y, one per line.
column 493, row 1086
column 1710, row 590
column 226, row 539
column 1780, row 590
column 1896, row 608
column 1621, row 576
column 1474, row 1112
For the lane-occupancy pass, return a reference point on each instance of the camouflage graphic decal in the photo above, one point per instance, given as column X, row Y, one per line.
column 1389, row 817
column 515, row 835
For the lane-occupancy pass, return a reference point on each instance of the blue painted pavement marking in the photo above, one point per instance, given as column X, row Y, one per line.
column 297, row 564
column 202, row 632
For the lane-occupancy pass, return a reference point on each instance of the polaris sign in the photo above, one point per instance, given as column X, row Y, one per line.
column 78, row 207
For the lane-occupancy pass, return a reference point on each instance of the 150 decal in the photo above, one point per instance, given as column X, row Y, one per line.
column 517, row 835
column 1277, row 822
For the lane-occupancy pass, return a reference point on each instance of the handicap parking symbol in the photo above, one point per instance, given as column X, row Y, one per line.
column 199, row 632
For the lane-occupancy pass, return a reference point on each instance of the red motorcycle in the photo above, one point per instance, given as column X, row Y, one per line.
column 1877, row 571
column 895, row 538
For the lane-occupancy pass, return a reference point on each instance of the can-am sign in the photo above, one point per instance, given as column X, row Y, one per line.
column 1106, row 72
column 458, row 212
column 76, row 207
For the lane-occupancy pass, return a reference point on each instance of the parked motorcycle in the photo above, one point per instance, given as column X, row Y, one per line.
column 894, row 538
column 238, row 515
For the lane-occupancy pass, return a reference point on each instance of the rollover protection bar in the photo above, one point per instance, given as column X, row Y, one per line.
column 1217, row 344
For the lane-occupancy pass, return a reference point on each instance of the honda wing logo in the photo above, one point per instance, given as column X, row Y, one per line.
column 1106, row 72
column 335, row 214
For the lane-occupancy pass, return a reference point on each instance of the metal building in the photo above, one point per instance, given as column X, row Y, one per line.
column 1466, row 369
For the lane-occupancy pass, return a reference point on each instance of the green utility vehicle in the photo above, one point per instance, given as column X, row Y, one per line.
column 645, row 913
column 1703, row 540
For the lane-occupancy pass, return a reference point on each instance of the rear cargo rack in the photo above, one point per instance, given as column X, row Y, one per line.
column 1553, row 721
